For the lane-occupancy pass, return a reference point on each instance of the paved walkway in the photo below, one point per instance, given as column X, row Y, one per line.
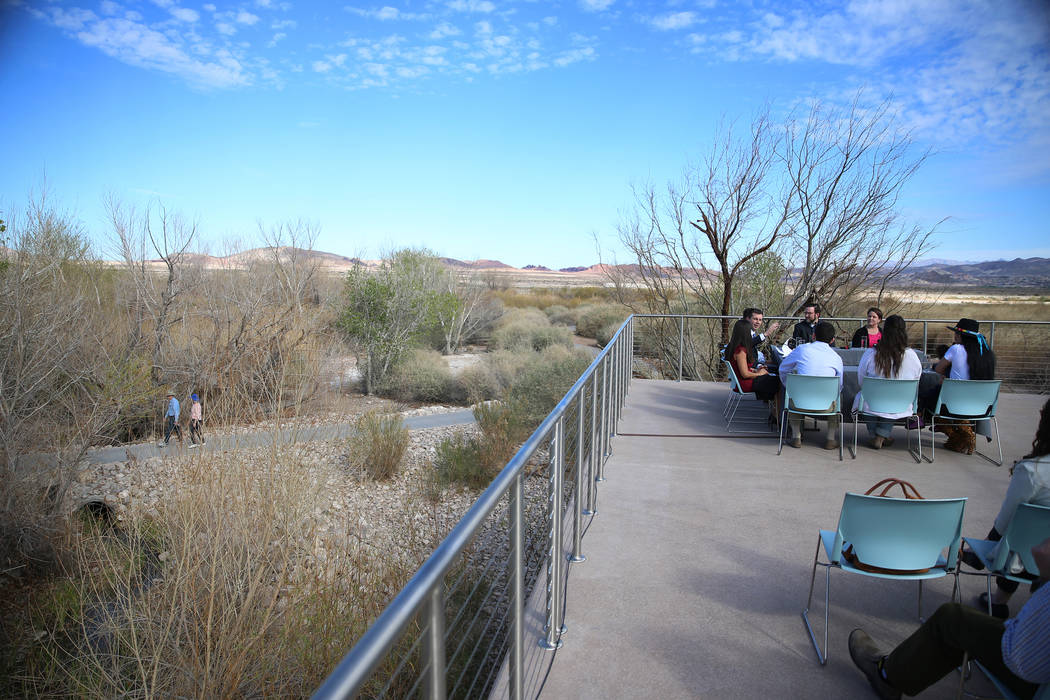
column 261, row 437
column 698, row 562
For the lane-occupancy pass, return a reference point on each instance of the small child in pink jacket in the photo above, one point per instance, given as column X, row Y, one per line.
column 196, row 419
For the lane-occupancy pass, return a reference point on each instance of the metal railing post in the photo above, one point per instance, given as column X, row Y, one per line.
column 517, row 544
column 991, row 336
column 554, row 628
column 577, row 517
column 592, row 456
column 925, row 338
column 681, row 345
column 435, row 645
column 602, row 432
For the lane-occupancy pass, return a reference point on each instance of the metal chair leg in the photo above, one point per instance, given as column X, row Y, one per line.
column 821, row 657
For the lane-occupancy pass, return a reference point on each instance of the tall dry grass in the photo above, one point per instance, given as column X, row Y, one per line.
column 235, row 588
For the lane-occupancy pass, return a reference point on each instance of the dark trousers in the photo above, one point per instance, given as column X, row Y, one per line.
column 936, row 649
column 172, row 427
column 195, row 431
column 1004, row 584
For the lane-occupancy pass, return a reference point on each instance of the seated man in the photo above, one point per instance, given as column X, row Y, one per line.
column 758, row 338
column 814, row 358
column 1017, row 651
column 803, row 331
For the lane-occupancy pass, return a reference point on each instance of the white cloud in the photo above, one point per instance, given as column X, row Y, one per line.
column 225, row 28
column 321, row 66
column 138, row 45
column 185, row 14
column 676, row 20
column 283, row 24
column 108, row 7
column 443, row 30
column 276, row 38
column 483, row 28
column 208, row 7
column 471, row 6
column 263, row 3
column 595, row 5
column 245, row 17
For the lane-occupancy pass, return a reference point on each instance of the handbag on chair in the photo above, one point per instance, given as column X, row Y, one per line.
column 909, row 492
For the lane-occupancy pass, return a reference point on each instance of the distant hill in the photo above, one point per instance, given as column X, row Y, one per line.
column 1019, row 272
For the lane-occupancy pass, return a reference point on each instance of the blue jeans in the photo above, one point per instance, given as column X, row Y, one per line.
column 878, row 426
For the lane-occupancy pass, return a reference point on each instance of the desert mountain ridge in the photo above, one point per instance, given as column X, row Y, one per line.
column 1031, row 272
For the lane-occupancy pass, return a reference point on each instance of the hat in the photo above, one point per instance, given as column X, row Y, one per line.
column 170, row 393
column 194, row 397
column 965, row 325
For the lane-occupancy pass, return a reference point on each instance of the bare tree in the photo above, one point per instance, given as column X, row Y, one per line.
column 467, row 308
column 136, row 240
column 846, row 170
column 821, row 194
column 688, row 264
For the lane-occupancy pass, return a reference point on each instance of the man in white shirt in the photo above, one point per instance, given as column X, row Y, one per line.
column 816, row 358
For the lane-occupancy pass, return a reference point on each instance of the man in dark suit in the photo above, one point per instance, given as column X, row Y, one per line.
column 803, row 332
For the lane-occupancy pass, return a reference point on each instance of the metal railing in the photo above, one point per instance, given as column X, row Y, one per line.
column 681, row 346
column 460, row 626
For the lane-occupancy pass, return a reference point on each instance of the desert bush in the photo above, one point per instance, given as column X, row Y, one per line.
column 458, row 461
column 606, row 333
column 378, row 444
column 423, row 375
column 591, row 318
column 544, row 381
column 530, row 332
column 560, row 315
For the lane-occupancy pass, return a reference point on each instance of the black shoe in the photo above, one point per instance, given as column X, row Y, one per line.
column 970, row 558
column 867, row 657
column 999, row 610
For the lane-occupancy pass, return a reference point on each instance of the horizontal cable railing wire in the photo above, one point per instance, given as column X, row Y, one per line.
column 459, row 628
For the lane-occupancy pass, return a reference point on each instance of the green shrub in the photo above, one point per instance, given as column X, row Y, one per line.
column 592, row 318
column 530, row 335
column 544, row 381
column 378, row 444
column 458, row 461
column 423, row 375
column 503, row 429
column 560, row 315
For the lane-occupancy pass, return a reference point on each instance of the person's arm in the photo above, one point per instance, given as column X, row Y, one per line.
column 742, row 370
column 772, row 329
column 1020, row 490
column 1026, row 638
column 858, row 337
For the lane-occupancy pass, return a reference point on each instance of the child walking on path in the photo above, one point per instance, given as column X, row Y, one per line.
column 196, row 419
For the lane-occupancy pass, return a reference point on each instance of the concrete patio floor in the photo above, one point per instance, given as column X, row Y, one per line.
column 699, row 559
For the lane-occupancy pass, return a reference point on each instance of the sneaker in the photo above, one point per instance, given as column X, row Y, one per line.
column 831, row 444
column 796, row 442
column 193, row 444
column 162, row 444
column 876, row 442
column 867, row 657
column 887, row 441
column 999, row 610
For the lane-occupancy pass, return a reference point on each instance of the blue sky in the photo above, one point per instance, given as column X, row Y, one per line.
column 501, row 129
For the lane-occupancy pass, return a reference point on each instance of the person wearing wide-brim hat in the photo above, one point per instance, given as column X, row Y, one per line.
column 171, row 418
column 969, row 357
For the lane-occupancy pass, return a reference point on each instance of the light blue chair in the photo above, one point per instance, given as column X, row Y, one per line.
column 813, row 396
column 890, row 533
column 967, row 400
column 890, row 396
column 1043, row 692
column 735, row 398
column 1029, row 526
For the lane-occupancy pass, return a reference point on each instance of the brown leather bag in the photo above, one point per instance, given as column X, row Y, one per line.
column 911, row 493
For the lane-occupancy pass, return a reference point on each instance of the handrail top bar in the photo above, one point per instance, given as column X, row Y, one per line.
column 363, row 658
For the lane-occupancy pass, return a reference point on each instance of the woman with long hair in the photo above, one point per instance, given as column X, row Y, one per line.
column 890, row 359
column 1029, row 483
column 969, row 357
column 868, row 335
column 741, row 355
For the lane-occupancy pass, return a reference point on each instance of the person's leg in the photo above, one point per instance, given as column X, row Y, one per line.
column 831, row 440
column 168, row 428
column 936, row 649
